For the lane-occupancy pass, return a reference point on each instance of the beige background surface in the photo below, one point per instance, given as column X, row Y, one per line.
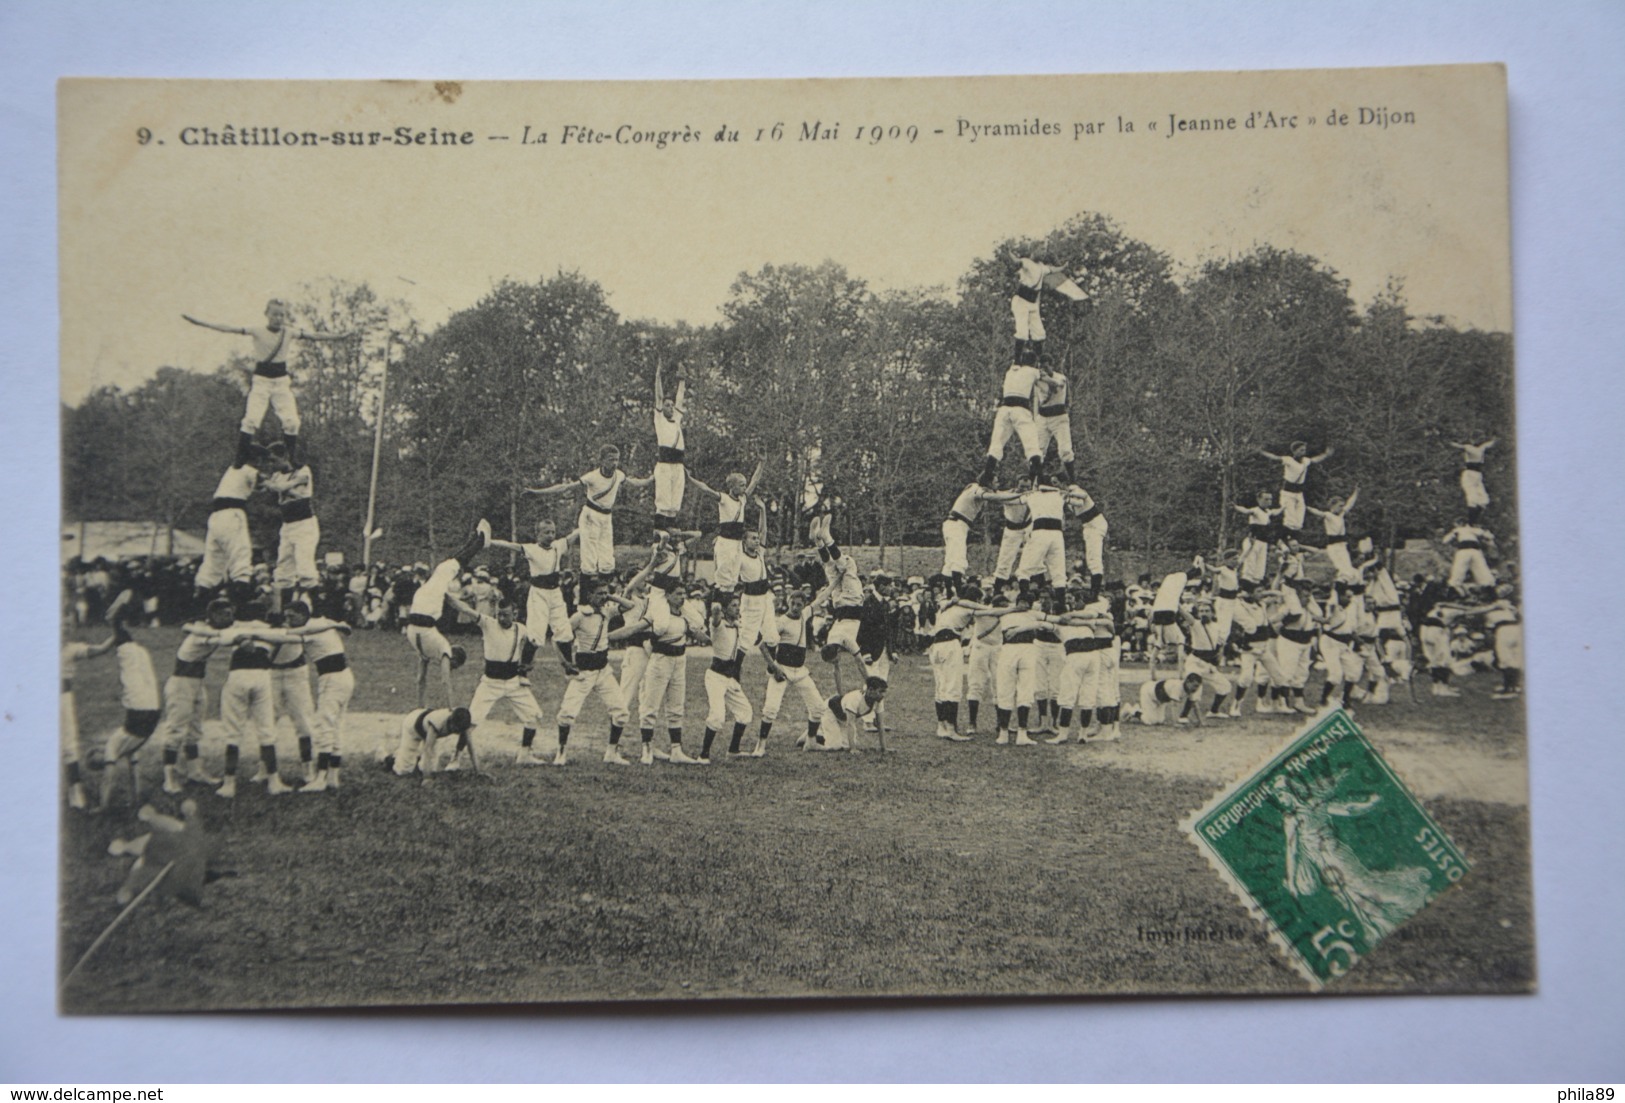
column 149, row 232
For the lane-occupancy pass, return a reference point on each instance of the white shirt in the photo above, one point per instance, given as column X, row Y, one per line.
column 541, row 560
column 602, row 489
column 969, row 502
column 669, row 431
column 322, row 645
column 1294, row 470
column 271, row 345
column 237, row 482
column 1019, row 381
column 502, row 645
column 1046, row 503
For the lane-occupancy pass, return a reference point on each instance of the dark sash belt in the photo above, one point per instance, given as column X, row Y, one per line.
column 267, row 369
column 300, row 509
column 1088, row 643
column 1028, row 293
column 731, row 530
column 1047, row 524
column 332, row 664
column 420, row 620
column 220, row 505
column 664, row 454
column 1016, row 400
column 141, row 723
column 545, row 581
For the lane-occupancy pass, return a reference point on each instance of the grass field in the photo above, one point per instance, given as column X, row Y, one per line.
column 936, row 868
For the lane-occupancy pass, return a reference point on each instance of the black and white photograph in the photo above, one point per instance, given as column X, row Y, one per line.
column 579, row 542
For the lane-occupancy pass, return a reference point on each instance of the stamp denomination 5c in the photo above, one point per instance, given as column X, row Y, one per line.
column 1327, row 847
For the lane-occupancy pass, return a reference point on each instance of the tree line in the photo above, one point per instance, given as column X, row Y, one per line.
column 1178, row 379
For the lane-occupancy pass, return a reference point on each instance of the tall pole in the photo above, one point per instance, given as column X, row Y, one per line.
column 377, row 448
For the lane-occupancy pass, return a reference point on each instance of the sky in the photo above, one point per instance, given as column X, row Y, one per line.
column 154, row 229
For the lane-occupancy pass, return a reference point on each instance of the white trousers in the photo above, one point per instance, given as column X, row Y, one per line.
column 1029, row 326
column 186, row 701
column 1292, row 510
column 277, row 394
column 1016, row 421
column 290, row 697
column 664, row 690
column 296, row 554
column 586, row 683
column 333, row 693
column 726, row 556
column 947, row 670
column 757, row 620
column 1094, row 544
column 1470, row 563
column 1044, row 554
column 981, row 671
column 545, row 612
column 1017, row 675
column 493, row 691
column 1057, row 428
column 1472, row 489
column 228, row 551
column 671, row 479
column 725, row 700
column 1011, row 542
column 801, row 679
column 597, row 541
column 955, row 550
column 245, row 706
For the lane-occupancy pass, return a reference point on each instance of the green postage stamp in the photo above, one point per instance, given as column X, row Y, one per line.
column 1326, row 846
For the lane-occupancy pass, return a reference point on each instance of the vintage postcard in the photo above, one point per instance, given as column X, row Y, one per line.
column 534, row 542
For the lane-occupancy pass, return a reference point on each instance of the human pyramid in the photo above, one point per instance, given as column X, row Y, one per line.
column 1044, row 647
column 1047, row 648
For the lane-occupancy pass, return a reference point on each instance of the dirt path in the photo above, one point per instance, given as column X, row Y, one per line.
column 1223, row 752
column 1431, row 765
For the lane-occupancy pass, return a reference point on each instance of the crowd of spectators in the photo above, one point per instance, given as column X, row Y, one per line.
column 900, row 610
